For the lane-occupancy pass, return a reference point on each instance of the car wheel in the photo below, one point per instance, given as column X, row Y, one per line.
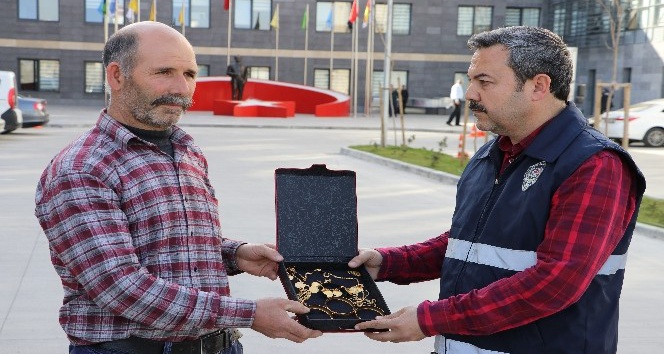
column 654, row 137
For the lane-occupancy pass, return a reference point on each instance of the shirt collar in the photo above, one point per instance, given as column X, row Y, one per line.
column 123, row 136
column 505, row 144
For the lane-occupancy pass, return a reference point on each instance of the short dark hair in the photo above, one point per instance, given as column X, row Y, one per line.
column 122, row 47
column 532, row 51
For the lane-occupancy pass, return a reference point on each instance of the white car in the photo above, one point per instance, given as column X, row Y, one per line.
column 646, row 123
column 11, row 115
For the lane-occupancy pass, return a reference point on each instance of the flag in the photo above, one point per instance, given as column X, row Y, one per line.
column 132, row 10
column 367, row 12
column 353, row 15
column 275, row 18
column 305, row 21
column 353, row 12
column 153, row 11
column 102, row 7
column 181, row 18
column 227, row 4
column 328, row 22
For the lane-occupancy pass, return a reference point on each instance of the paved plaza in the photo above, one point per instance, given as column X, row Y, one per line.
column 395, row 207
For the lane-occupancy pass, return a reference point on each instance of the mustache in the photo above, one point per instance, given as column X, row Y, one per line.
column 185, row 102
column 474, row 106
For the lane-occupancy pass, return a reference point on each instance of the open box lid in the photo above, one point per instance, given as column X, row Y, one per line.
column 316, row 214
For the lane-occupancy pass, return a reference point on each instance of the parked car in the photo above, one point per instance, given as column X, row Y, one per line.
column 34, row 111
column 10, row 113
column 646, row 123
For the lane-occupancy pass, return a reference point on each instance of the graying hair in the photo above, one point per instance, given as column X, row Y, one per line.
column 532, row 51
column 122, row 48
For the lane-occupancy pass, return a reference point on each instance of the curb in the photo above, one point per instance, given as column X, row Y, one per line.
column 398, row 165
column 647, row 230
column 650, row 231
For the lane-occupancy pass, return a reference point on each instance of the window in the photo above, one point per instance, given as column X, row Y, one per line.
column 522, row 16
column 400, row 18
column 203, row 70
column 42, row 10
column 259, row 72
column 333, row 15
column 253, row 14
column 39, row 75
column 597, row 19
column 578, row 19
column 398, row 77
column 559, row 19
column 94, row 11
column 473, row 19
column 659, row 16
column 627, row 75
column 340, row 80
column 94, row 77
column 196, row 13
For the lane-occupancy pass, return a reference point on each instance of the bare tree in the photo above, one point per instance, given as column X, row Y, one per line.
column 615, row 12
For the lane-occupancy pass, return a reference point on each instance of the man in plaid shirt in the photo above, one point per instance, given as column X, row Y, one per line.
column 534, row 260
column 132, row 220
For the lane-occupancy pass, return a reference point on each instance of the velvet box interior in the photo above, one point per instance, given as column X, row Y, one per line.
column 317, row 235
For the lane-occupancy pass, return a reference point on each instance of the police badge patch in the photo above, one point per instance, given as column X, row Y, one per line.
column 532, row 174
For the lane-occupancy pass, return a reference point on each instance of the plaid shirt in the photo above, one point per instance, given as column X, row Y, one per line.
column 135, row 237
column 602, row 185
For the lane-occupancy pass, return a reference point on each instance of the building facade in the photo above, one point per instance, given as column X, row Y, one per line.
column 54, row 46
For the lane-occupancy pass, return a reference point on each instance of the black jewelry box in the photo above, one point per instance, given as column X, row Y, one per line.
column 317, row 235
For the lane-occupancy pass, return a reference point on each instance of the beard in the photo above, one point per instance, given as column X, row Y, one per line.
column 154, row 112
column 503, row 119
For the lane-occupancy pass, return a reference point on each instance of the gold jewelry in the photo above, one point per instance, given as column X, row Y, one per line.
column 336, row 290
column 377, row 310
column 325, row 310
column 343, row 301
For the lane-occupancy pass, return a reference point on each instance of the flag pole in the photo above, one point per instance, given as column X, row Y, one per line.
column 332, row 47
column 228, row 41
column 352, row 62
column 352, row 19
column 387, row 68
column 355, row 65
column 353, row 98
column 115, row 17
column 276, row 33
column 138, row 12
column 306, row 42
column 368, row 86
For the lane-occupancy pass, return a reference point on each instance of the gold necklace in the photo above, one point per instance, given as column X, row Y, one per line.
column 341, row 296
